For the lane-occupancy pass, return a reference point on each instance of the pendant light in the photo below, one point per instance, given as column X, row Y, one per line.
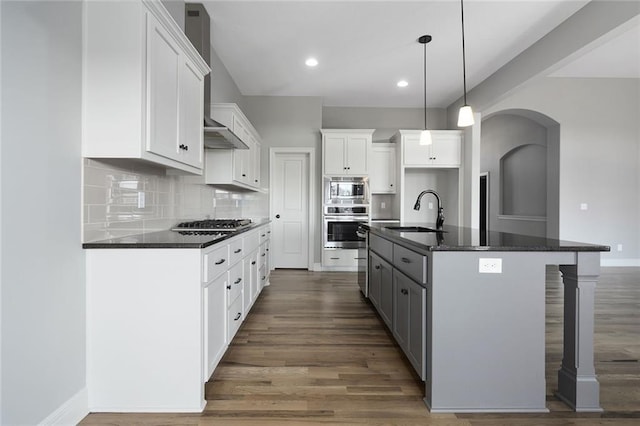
column 465, row 116
column 425, row 135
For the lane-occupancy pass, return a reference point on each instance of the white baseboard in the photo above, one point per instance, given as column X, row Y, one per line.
column 71, row 412
column 619, row 262
column 317, row 267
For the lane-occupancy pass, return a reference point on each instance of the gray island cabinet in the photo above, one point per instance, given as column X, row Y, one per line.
column 470, row 317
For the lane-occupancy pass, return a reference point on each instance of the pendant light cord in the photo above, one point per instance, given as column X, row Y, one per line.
column 425, row 86
column 464, row 62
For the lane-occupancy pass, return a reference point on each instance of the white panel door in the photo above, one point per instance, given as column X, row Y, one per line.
column 290, row 246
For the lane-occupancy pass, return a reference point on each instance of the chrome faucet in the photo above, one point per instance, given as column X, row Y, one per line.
column 440, row 219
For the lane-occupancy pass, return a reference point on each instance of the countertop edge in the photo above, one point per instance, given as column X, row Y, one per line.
column 571, row 246
column 106, row 244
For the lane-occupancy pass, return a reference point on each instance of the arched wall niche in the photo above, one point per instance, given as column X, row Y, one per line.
column 519, row 151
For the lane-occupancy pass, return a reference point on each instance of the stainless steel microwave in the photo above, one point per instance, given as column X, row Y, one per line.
column 346, row 190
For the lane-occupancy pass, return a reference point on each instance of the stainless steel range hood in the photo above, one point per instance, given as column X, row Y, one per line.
column 218, row 136
column 197, row 28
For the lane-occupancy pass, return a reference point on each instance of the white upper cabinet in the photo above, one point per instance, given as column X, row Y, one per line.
column 234, row 168
column 143, row 88
column 444, row 152
column 382, row 176
column 345, row 152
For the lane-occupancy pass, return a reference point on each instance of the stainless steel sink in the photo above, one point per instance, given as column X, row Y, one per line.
column 412, row 229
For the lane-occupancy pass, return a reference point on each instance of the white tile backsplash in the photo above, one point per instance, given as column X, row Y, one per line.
column 111, row 200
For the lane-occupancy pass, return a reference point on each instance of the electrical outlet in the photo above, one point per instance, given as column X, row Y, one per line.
column 584, row 206
column 383, row 205
column 490, row 266
column 141, row 200
column 619, row 247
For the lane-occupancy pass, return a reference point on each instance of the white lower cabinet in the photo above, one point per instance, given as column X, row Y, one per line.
column 215, row 322
column 234, row 317
column 345, row 258
column 159, row 323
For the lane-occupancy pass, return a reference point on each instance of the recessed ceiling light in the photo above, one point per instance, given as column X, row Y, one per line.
column 403, row 83
column 311, row 62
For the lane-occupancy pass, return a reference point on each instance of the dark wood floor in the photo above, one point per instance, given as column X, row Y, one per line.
column 313, row 352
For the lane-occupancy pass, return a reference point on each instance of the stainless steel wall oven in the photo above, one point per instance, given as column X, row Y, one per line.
column 341, row 223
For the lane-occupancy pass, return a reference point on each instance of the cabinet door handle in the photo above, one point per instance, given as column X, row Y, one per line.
column 404, row 291
column 377, row 266
column 263, row 278
column 244, row 175
column 238, row 316
column 405, row 260
column 237, row 281
column 221, row 261
column 237, row 251
column 277, row 216
column 228, row 287
column 263, row 254
column 334, row 258
column 263, row 235
column 390, row 184
column 253, row 263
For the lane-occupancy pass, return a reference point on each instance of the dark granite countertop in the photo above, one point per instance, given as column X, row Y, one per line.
column 466, row 239
column 167, row 239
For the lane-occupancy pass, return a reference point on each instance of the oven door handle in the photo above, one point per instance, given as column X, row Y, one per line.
column 348, row 218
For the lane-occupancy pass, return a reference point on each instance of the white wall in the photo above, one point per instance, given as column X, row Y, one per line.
column 599, row 152
column 501, row 135
column 386, row 121
column 289, row 122
column 42, row 277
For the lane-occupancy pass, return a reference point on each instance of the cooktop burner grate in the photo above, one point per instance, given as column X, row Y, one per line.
column 219, row 225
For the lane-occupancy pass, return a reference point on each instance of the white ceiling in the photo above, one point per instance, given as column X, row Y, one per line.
column 365, row 47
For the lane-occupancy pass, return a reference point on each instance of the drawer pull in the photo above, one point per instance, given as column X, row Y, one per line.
column 237, row 251
column 405, row 260
column 221, row 261
column 238, row 316
column 237, row 281
column 263, row 235
column 253, row 262
column 332, row 258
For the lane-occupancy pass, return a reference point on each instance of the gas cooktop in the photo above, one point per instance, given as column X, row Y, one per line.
column 211, row 226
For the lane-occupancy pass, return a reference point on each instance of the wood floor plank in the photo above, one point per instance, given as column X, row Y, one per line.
column 313, row 352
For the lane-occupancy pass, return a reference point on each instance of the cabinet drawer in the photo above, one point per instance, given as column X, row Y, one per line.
column 235, row 282
column 251, row 241
column 234, row 318
column 411, row 263
column 383, row 247
column 264, row 234
column 216, row 262
column 340, row 257
column 236, row 251
column 262, row 255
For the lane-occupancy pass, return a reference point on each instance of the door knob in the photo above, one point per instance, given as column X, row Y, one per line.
column 277, row 216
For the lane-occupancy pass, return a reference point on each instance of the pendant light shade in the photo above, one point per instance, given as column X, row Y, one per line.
column 465, row 116
column 425, row 135
column 425, row 138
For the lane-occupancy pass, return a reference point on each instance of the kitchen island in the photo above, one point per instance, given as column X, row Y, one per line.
column 469, row 312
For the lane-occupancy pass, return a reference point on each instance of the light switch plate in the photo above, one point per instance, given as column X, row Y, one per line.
column 490, row 266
